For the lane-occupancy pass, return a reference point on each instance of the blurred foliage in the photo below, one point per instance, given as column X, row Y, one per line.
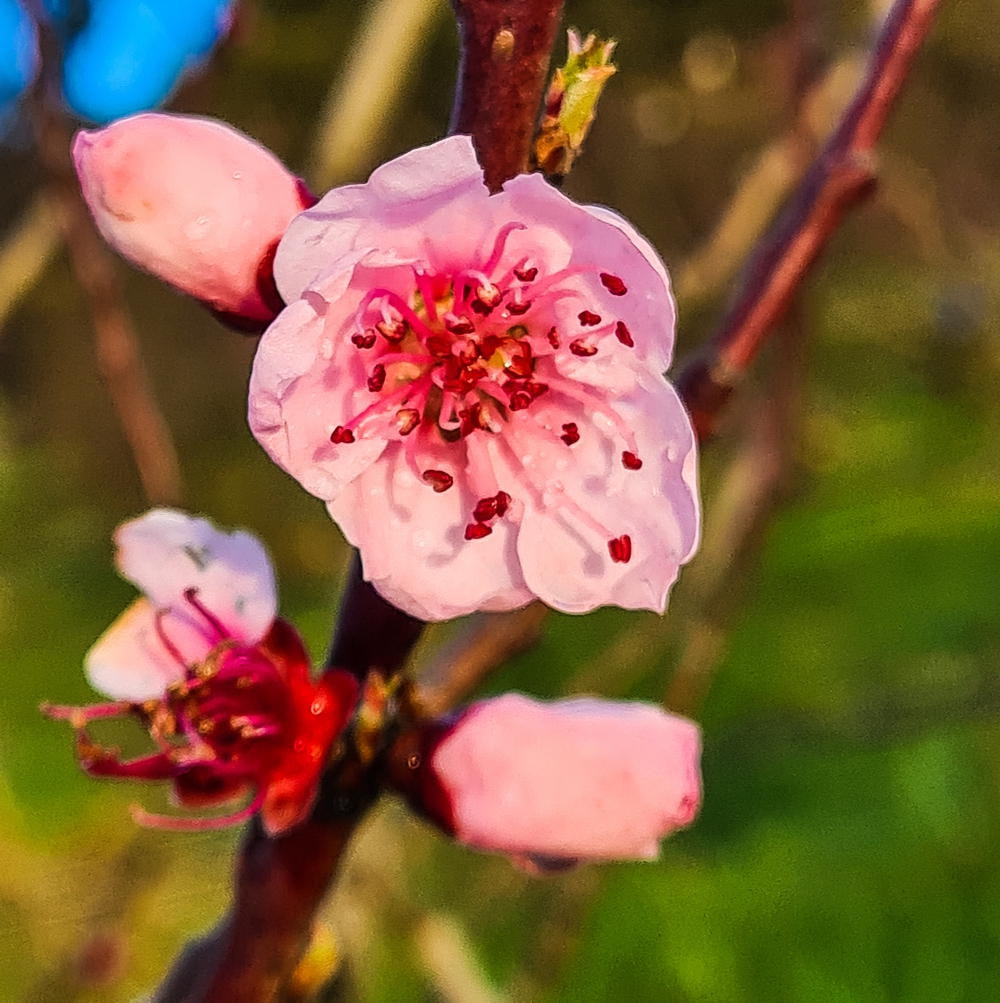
column 847, row 847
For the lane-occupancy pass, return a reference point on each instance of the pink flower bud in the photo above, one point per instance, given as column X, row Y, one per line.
column 582, row 778
column 194, row 202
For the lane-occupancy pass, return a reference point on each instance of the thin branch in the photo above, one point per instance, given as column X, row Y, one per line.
column 841, row 176
column 506, row 47
column 28, row 248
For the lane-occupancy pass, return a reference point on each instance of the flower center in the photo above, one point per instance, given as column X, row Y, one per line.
column 460, row 351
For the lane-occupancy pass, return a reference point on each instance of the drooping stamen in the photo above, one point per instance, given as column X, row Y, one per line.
column 172, row 649
column 389, row 298
column 630, row 461
column 585, row 351
column 477, row 530
column 392, row 330
column 613, row 284
column 620, row 549
column 191, row 597
column 340, row 435
column 178, row 823
column 439, row 480
column 571, row 433
column 384, row 404
column 588, row 318
column 407, row 419
column 500, row 243
column 623, row 334
column 377, row 379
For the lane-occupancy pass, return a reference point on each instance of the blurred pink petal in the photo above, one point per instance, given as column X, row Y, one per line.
column 473, row 383
column 194, row 202
column 584, row 778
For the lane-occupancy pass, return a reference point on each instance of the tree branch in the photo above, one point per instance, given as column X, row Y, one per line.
column 840, row 177
column 506, row 46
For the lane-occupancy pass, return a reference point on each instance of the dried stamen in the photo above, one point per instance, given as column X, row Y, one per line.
column 407, row 419
column 377, row 379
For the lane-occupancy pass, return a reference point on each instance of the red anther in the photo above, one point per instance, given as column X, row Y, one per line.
column 438, row 346
column 613, row 284
column 535, row 388
column 488, row 346
column 570, row 434
column 630, row 461
column 440, row 480
column 377, row 379
column 517, row 309
column 589, row 319
column 620, row 549
column 623, row 334
column 477, row 530
column 486, row 509
column 391, row 331
column 407, row 419
column 478, row 306
column 553, row 338
column 471, row 418
column 489, row 296
column 503, row 503
column 584, row 351
column 519, row 400
column 341, row 435
column 518, row 356
column 525, row 274
column 468, row 352
column 364, row 339
column 460, row 325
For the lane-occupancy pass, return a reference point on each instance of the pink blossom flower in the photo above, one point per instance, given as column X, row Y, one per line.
column 473, row 383
column 194, row 202
column 222, row 685
column 573, row 779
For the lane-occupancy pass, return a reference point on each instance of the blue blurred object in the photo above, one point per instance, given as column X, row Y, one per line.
column 18, row 52
column 130, row 54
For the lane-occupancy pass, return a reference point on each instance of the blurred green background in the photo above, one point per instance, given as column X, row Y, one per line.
column 847, row 621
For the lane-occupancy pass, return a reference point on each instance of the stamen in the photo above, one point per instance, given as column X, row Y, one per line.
column 620, row 549
column 526, row 274
column 165, row 641
column 425, row 286
column 500, row 243
column 623, row 334
column 477, row 530
column 458, row 325
column 519, row 398
column 518, row 309
column 613, row 284
column 553, row 338
column 577, row 347
column 377, row 379
column 571, row 433
column 365, row 339
column 630, row 461
column 341, row 435
column 438, row 346
column 178, row 823
column 486, row 509
column 392, row 330
column 588, row 318
column 407, row 419
column 439, row 480
column 191, row 596
column 503, row 503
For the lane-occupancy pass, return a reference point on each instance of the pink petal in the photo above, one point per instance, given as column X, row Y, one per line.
column 130, row 661
column 584, row 778
column 413, row 546
column 192, row 201
column 586, row 497
column 434, row 189
column 166, row 552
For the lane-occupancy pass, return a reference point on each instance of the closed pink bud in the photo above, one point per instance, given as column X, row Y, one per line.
column 194, row 202
column 579, row 779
